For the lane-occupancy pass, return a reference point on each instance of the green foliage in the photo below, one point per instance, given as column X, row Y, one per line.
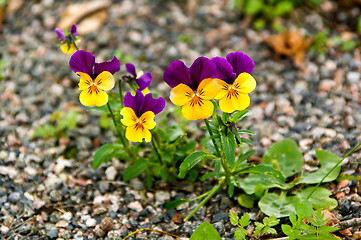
column 320, row 42
column 327, row 161
column 107, row 152
column 139, row 166
column 266, row 226
column 59, row 122
column 190, row 162
column 317, row 228
column 205, row 231
column 2, row 66
column 185, row 38
column 345, row 45
column 122, row 57
column 240, row 232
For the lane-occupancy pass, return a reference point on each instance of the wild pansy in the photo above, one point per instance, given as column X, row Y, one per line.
column 236, row 81
column 193, row 87
column 138, row 115
column 95, row 78
column 141, row 79
column 68, row 40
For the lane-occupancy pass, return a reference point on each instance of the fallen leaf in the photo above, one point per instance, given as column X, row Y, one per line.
column 91, row 13
column 346, row 232
column 290, row 43
column 333, row 220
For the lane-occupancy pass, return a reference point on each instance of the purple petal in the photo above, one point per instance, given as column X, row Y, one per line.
column 202, row 68
column 224, row 70
column 82, row 61
column 177, row 73
column 135, row 102
column 240, row 62
column 130, row 69
column 144, row 81
column 60, row 33
column 73, row 30
column 151, row 104
column 112, row 66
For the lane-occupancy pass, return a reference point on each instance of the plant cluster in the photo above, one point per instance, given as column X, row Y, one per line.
column 216, row 91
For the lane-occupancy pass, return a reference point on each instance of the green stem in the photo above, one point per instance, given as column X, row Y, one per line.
column 210, row 194
column 156, row 150
column 120, row 93
column 348, row 154
column 120, row 134
column 213, row 140
column 226, row 169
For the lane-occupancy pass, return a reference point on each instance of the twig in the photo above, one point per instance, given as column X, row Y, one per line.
column 153, row 230
column 348, row 223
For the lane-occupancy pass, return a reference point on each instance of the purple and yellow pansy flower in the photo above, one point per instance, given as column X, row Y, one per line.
column 138, row 115
column 193, row 88
column 68, row 40
column 141, row 79
column 235, row 81
column 95, row 78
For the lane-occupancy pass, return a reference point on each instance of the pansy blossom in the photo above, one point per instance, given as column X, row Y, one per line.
column 95, row 78
column 141, row 79
column 235, row 81
column 68, row 40
column 193, row 88
column 138, row 115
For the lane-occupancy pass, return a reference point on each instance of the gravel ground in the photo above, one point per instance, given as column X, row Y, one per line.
column 48, row 189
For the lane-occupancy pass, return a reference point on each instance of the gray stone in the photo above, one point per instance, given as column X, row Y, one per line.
column 83, row 143
column 15, row 197
column 353, row 77
column 162, row 196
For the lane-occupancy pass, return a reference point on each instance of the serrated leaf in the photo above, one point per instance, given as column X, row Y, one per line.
column 289, row 158
column 327, row 229
column 271, row 221
column 240, row 234
column 233, row 217
column 205, row 231
column 245, row 220
column 139, row 166
column 327, row 161
column 304, row 209
column 191, row 161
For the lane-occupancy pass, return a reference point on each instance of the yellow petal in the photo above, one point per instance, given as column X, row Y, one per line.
column 233, row 101
column 223, row 89
column 105, row 81
column 136, row 133
column 101, row 98
column 244, row 83
column 129, row 117
column 67, row 48
column 181, row 94
column 197, row 109
column 85, row 81
column 147, row 120
column 87, row 98
column 208, row 88
column 145, row 91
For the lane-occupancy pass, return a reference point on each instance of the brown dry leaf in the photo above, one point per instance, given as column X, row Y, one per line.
column 95, row 11
column 290, row 43
column 333, row 220
column 346, row 232
column 14, row 6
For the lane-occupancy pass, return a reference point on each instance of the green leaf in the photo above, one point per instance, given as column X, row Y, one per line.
column 208, row 176
column 286, row 229
column 327, row 161
column 319, row 199
column 233, row 217
column 229, row 147
column 327, row 229
column 240, row 234
column 253, row 7
column 318, row 219
column 244, row 157
column 191, row 161
column 176, row 203
column 249, row 183
column 271, row 221
column 304, row 209
column 287, row 155
column 245, row 220
column 260, row 228
column 104, row 154
column 243, row 131
column 246, row 200
column 282, row 8
column 239, row 115
column 174, row 132
column 139, row 166
column 205, row 231
column 277, row 205
column 293, row 218
column 45, row 131
column 230, row 189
